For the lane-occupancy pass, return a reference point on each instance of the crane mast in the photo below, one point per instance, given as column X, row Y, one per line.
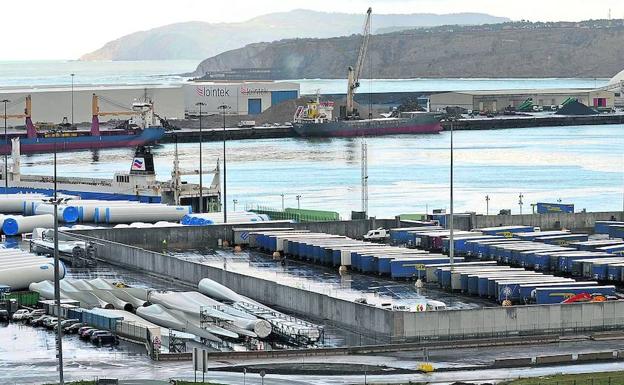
column 353, row 76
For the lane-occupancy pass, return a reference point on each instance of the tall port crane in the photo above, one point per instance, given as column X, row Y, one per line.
column 354, row 73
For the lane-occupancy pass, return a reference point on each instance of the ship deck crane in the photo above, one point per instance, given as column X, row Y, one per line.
column 353, row 75
column 137, row 109
column 30, row 128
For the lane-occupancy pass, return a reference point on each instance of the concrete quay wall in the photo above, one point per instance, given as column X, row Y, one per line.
column 194, row 237
column 574, row 221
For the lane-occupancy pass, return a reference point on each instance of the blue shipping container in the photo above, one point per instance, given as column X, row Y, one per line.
column 551, row 295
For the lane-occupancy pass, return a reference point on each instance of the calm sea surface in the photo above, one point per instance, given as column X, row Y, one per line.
column 580, row 165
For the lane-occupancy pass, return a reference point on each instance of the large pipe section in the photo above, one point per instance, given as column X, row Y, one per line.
column 140, row 213
column 15, row 225
column 67, row 214
column 20, row 277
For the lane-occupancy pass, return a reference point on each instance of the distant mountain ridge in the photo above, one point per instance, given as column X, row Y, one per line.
column 199, row 40
column 517, row 49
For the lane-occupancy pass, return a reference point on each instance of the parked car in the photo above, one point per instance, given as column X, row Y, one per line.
column 20, row 315
column 104, row 337
column 66, row 323
column 83, row 329
column 50, row 323
column 4, row 315
column 87, row 333
column 73, row 329
column 34, row 314
column 40, row 320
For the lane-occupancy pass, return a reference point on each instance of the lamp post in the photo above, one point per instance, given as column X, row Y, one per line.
column 235, row 201
column 298, row 202
column 451, row 225
column 201, row 171
column 282, row 194
column 224, row 108
column 72, row 98
column 520, row 203
column 57, row 278
column 6, row 144
column 487, row 205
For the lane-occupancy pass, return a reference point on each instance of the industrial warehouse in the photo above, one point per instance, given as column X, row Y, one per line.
column 51, row 104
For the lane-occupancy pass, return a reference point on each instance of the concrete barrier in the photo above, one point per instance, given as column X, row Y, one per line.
column 597, row 356
column 513, row 362
column 554, row 359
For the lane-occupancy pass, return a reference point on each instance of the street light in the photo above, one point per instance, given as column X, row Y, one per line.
column 282, row 194
column 57, row 285
column 224, row 108
column 298, row 202
column 520, row 203
column 72, row 98
column 487, row 205
column 6, row 145
column 235, row 202
column 451, row 225
column 201, row 172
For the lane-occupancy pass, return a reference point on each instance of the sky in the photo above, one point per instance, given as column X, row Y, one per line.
column 66, row 29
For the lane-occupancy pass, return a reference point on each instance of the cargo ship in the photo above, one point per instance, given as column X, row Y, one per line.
column 317, row 120
column 138, row 184
column 140, row 129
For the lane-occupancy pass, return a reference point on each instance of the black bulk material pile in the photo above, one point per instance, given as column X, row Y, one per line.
column 575, row 108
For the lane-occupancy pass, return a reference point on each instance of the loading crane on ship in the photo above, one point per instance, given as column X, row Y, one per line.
column 27, row 115
column 353, row 74
column 143, row 109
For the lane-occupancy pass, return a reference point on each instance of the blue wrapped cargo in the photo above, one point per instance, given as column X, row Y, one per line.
column 602, row 227
column 552, row 295
column 554, row 208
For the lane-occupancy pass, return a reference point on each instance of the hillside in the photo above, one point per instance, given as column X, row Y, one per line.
column 521, row 49
column 198, row 40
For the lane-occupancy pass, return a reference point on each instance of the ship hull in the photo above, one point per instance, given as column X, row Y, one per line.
column 86, row 142
column 424, row 124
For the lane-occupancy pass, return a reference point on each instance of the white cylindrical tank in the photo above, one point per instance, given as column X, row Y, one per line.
column 14, row 203
column 15, row 225
column 67, row 214
column 19, row 278
column 140, row 213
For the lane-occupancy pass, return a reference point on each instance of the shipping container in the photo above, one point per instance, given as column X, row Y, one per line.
column 412, row 267
column 400, row 236
column 510, row 289
column 529, row 236
column 563, row 240
column 602, row 227
column 594, row 244
column 432, row 270
column 613, row 249
column 506, row 231
column 552, row 295
column 527, row 290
